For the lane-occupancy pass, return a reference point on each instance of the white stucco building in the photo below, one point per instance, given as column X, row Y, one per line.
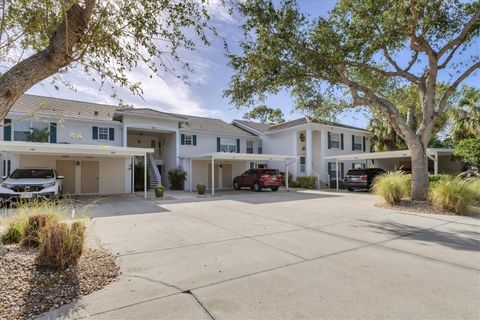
column 94, row 145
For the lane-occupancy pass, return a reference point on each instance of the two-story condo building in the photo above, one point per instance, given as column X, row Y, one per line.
column 94, row 146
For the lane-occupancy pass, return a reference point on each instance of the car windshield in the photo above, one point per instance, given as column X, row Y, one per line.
column 357, row 172
column 32, row 174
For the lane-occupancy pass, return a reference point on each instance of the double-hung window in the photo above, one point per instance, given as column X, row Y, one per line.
column 24, row 131
column 228, row 145
column 188, row 140
column 357, row 143
column 260, row 146
column 249, row 146
column 334, row 140
column 103, row 134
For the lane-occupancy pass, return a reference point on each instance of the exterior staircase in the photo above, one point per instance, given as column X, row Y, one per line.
column 154, row 177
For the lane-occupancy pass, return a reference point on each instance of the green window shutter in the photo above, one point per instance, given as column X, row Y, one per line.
column 341, row 141
column 7, row 130
column 218, row 144
column 95, row 133
column 330, row 169
column 353, row 142
column 342, row 170
column 194, row 138
column 364, row 144
column 182, row 139
column 53, row 132
column 238, row 145
column 329, row 140
column 111, row 134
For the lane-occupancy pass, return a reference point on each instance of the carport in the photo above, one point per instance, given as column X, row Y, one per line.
column 250, row 157
column 432, row 153
column 113, row 161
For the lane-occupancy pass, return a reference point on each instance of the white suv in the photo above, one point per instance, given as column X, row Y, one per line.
column 27, row 183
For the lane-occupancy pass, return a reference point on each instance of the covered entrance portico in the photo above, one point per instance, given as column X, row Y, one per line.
column 440, row 161
column 87, row 169
column 217, row 170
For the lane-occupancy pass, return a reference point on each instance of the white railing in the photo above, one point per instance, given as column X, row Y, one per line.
column 317, row 175
column 154, row 168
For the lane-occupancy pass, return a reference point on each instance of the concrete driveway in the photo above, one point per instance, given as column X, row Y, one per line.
column 281, row 255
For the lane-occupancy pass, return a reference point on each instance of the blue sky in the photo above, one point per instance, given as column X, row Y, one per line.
column 203, row 95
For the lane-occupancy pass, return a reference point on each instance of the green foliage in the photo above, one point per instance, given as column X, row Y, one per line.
column 454, row 195
column 39, row 135
column 465, row 118
column 201, row 189
column 60, row 244
column 474, row 184
column 293, row 184
column 159, row 191
column 437, row 177
column 392, row 186
column 176, row 178
column 265, row 114
column 118, row 36
column 139, row 173
column 468, row 151
column 307, row 182
column 15, row 227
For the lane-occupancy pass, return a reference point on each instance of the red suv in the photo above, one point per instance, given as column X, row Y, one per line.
column 257, row 179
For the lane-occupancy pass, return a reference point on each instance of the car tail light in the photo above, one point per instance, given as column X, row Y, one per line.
column 264, row 176
column 364, row 177
column 347, row 177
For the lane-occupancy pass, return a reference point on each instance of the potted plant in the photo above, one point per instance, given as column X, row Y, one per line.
column 159, row 190
column 201, row 189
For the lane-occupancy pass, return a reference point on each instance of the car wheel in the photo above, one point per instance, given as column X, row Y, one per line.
column 257, row 187
column 274, row 188
column 236, row 186
column 350, row 189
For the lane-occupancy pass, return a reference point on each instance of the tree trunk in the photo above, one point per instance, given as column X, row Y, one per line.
column 419, row 171
column 47, row 62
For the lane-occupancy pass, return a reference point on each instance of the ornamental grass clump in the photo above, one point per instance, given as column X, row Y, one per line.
column 392, row 186
column 454, row 195
column 60, row 244
column 14, row 230
column 34, row 224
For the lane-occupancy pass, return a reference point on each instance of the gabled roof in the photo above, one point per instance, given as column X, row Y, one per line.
column 266, row 128
column 46, row 106
column 211, row 125
column 256, row 126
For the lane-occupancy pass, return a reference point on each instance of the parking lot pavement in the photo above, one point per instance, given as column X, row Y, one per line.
column 284, row 256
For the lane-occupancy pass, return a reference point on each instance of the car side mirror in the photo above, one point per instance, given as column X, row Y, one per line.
column 60, row 177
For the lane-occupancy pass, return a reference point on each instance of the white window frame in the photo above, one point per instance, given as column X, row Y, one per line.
column 228, row 145
column 335, row 137
column 260, row 146
column 189, row 140
column 102, row 135
column 250, row 146
column 357, row 145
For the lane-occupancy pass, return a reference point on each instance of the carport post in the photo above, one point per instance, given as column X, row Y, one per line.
column 191, row 175
column 286, row 175
column 133, row 175
column 213, row 176
column 336, row 172
column 435, row 164
column 145, row 176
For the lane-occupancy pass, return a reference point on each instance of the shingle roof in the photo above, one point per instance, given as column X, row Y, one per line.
column 46, row 106
column 257, row 126
column 211, row 125
column 149, row 112
column 265, row 128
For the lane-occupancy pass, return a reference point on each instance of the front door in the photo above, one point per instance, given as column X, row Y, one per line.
column 66, row 168
column 89, row 177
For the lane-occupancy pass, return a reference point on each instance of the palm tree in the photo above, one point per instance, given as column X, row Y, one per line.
column 383, row 137
column 465, row 119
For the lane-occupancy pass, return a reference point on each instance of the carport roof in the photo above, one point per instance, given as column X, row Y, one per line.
column 71, row 149
column 387, row 154
column 241, row 156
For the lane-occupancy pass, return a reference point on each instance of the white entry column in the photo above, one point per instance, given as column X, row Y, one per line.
column 309, row 151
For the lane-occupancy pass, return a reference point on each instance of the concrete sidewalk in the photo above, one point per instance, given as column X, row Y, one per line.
column 285, row 256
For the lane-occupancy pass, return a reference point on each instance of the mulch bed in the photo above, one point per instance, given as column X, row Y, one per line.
column 26, row 291
column 425, row 207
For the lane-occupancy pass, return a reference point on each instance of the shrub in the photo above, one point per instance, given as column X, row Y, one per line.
column 432, row 178
column 176, row 178
column 468, row 151
column 32, row 227
column 139, row 173
column 201, row 189
column 307, row 182
column 392, row 186
column 60, row 244
column 293, row 184
column 159, row 190
column 453, row 194
column 14, row 230
column 474, row 185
